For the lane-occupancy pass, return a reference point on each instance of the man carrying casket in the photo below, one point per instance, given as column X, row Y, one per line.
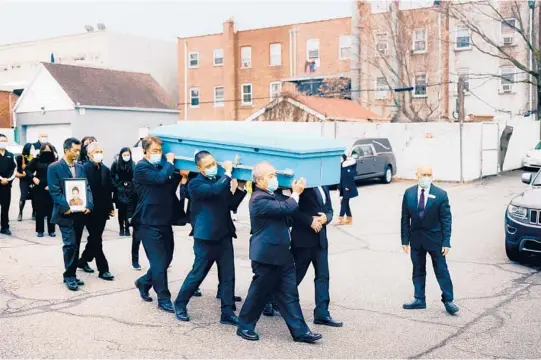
column 272, row 261
column 211, row 202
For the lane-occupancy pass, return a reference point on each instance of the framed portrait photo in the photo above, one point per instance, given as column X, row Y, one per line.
column 76, row 196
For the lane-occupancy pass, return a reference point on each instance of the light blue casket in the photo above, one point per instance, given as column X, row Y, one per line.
column 316, row 159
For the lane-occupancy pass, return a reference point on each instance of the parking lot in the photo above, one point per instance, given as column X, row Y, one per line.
column 370, row 279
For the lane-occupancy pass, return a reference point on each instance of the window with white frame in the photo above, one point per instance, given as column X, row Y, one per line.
column 507, row 78
column 382, row 89
column 246, row 57
column 420, row 85
column 275, row 51
column 462, row 39
column 218, row 57
column 419, row 41
column 381, row 43
column 464, row 75
column 508, row 27
column 246, row 91
column 194, row 97
column 219, row 96
column 344, row 47
column 312, row 49
column 275, row 90
column 193, row 59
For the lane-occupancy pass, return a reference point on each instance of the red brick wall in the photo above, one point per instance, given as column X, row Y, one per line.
column 261, row 74
column 6, row 120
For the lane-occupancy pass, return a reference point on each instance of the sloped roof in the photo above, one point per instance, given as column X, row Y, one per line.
column 337, row 109
column 109, row 88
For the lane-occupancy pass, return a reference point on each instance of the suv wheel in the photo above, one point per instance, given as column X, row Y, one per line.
column 513, row 253
column 388, row 177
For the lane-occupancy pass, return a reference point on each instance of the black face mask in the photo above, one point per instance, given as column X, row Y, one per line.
column 47, row 156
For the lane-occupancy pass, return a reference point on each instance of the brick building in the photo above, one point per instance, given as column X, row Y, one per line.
column 230, row 75
column 7, row 102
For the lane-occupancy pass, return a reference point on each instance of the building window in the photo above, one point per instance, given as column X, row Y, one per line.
column 344, row 47
column 381, row 43
column 194, row 60
column 508, row 27
column 382, row 89
column 420, row 85
column 419, row 41
column 275, row 90
column 464, row 74
column 507, row 78
column 246, row 94
column 275, row 51
column 194, row 97
column 312, row 49
column 246, row 57
column 219, row 96
column 218, row 57
column 463, row 40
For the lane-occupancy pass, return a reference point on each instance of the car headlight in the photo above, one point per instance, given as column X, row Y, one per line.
column 518, row 212
column 528, row 155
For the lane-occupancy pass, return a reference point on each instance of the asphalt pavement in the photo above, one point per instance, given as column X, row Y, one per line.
column 370, row 279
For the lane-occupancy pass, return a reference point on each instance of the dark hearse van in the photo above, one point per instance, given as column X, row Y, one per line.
column 375, row 159
column 523, row 220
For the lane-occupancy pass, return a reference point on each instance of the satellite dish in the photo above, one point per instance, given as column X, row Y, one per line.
column 89, row 28
column 101, row 26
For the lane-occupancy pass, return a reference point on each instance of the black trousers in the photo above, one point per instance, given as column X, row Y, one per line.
column 71, row 237
column 418, row 258
column 159, row 246
column 206, row 254
column 320, row 259
column 344, row 207
column 5, row 202
column 123, row 216
column 94, row 246
column 135, row 245
column 44, row 209
column 281, row 282
column 24, row 186
column 219, row 290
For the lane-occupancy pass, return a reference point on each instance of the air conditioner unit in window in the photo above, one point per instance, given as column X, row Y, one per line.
column 508, row 40
column 506, row 88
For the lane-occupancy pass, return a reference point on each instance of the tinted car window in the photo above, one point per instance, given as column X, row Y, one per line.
column 538, row 147
column 537, row 180
column 357, row 152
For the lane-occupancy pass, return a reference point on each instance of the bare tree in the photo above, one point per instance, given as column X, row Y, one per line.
column 517, row 43
column 337, row 88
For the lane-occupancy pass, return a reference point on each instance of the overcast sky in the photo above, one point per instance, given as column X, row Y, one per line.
column 22, row 20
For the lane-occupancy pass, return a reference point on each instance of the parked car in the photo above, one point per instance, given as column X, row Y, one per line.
column 375, row 159
column 532, row 159
column 523, row 220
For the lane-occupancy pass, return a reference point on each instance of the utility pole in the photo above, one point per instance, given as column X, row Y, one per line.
column 461, row 120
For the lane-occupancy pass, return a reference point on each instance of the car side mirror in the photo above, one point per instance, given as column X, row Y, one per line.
column 527, row 178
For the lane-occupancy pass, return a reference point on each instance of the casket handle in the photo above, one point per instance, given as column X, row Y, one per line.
column 237, row 165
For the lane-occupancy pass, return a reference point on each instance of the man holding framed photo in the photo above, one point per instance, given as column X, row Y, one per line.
column 68, row 185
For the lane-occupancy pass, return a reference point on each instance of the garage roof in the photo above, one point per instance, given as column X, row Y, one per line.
column 109, row 88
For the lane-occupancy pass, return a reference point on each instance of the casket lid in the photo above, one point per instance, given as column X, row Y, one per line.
column 248, row 135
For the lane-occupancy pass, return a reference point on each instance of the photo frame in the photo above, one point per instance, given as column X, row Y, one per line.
column 76, row 195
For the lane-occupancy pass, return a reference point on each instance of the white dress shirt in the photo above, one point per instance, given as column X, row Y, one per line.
column 427, row 191
column 322, row 192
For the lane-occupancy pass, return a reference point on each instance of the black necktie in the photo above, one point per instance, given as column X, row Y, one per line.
column 421, row 206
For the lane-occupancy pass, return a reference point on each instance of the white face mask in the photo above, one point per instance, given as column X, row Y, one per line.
column 126, row 158
column 425, row 182
column 43, row 140
column 98, row 158
column 3, row 145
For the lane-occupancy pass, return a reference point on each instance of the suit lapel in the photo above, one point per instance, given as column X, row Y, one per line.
column 66, row 168
column 431, row 198
column 414, row 201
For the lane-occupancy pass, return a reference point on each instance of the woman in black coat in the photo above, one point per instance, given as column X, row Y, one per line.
column 348, row 189
column 37, row 171
column 25, row 182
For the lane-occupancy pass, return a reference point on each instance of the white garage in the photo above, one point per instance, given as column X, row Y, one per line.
column 56, row 134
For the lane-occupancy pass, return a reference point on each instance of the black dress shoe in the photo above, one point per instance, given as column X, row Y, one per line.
column 182, row 314
column 127, row 232
column 71, row 284
column 106, row 276
column 85, row 267
column 121, row 233
column 451, row 307
column 136, row 266
column 52, row 234
column 20, row 217
column 248, row 335
column 79, row 282
column 309, row 338
column 235, row 298
column 229, row 319
column 5, row 232
column 166, row 306
column 40, row 234
column 143, row 292
column 415, row 304
column 268, row 310
column 197, row 293
column 328, row 321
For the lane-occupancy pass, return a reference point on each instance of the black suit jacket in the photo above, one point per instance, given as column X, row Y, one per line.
column 269, row 220
column 433, row 231
column 311, row 203
column 211, row 203
column 154, row 195
column 57, row 173
column 101, row 184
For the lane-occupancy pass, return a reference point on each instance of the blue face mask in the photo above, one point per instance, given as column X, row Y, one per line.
column 425, row 182
column 273, row 185
column 211, row 172
column 156, row 158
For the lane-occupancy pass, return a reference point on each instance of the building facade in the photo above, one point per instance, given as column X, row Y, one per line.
column 7, row 103
column 19, row 62
column 230, row 75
